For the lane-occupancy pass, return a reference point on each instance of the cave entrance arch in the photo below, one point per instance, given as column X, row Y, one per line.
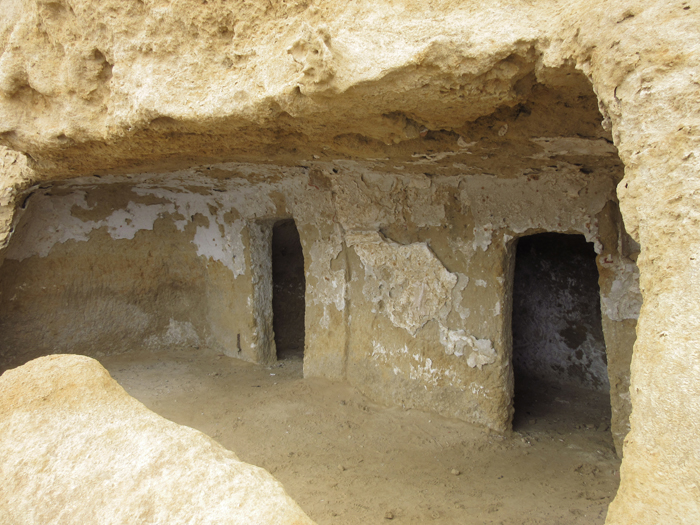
column 559, row 355
column 288, row 290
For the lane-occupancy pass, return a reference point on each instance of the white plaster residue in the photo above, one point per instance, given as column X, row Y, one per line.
column 624, row 300
column 378, row 349
column 425, row 372
column 387, row 356
column 454, row 341
column 221, row 240
column 123, row 224
column 478, row 390
column 419, row 368
column 457, row 343
column 325, row 321
column 432, row 158
column 483, row 353
column 464, row 144
column 481, row 283
column 482, row 236
column 47, row 222
column 52, row 221
column 410, row 282
column 224, row 246
column 457, row 291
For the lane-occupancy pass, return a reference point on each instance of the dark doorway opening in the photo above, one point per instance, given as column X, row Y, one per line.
column 288, row 289
column 559, row 359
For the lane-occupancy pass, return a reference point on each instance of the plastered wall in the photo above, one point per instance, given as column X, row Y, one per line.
column 408, row 277
column 117, row 87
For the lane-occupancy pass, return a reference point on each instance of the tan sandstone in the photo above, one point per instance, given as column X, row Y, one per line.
column 76, row 448
column 153, row 145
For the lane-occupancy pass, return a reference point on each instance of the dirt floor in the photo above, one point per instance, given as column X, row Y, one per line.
column 346, row 460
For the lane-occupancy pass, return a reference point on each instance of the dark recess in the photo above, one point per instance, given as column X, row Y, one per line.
column 288, row 289
column 558, row 335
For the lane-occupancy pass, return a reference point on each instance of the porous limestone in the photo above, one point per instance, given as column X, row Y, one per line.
column 76, row 448
column 153, row 145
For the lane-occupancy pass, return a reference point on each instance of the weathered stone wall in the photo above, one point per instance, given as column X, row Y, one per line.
column 408, row 297
column 109, row 266
column 106, row 269
column 444, row 88
column 621, row 300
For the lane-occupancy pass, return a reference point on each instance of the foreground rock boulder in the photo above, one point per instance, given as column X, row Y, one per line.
column 76, row 448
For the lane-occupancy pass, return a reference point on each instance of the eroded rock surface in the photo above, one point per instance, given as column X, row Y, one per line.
column 76, row 448
column 453, row 125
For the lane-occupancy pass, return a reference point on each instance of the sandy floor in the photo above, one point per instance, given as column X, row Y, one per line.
column 346, row 460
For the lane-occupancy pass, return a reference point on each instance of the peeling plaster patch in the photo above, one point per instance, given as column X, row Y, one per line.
column 188, row 194
column 624, row 300
column 409, row 281
column 226, row 247
column 457, row 343
column 123, row 224
column 221, row 240
column 481, row 283
column 457, row 291
column 482, row 236
column 51, row 223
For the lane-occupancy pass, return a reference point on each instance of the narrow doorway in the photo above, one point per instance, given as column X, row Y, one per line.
column 288, row 290
column 559, row 359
